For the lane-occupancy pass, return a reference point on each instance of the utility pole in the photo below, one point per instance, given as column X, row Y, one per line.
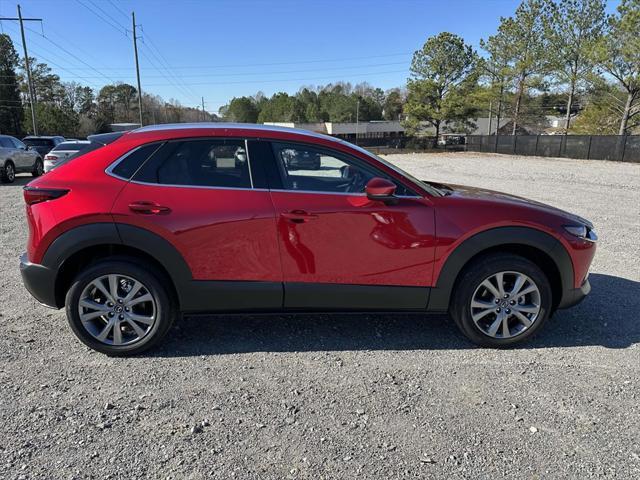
column 357, row 119
column 204, row 116
column 32, row 94
column 135, row 50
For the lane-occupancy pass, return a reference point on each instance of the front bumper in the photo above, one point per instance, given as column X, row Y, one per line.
column 39, row 281
column 575, row 295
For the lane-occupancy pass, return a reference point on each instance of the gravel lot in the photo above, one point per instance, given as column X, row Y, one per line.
column 400, row 396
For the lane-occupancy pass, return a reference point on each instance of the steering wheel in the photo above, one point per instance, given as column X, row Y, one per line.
column 353, row 179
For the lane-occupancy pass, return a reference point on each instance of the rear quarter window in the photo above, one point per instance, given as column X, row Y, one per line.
column 130, row 164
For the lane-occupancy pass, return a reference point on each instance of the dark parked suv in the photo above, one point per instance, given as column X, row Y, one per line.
column 216, row 218
column 42, row 144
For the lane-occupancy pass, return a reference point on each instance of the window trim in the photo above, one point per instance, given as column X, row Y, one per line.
column 161, row 143
column 322, row 148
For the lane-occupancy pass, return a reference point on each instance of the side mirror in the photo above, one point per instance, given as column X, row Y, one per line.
column 381, row 190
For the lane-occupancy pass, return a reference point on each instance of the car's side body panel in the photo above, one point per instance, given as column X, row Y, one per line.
column 352, row 240
column 223, row 234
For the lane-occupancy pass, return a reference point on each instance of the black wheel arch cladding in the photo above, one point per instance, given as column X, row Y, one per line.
column 496, row 237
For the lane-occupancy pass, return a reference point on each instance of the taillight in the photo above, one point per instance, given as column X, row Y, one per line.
column 33, row 195
column 50, row 157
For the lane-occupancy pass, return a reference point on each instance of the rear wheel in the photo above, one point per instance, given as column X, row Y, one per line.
column 38, row 168
column 117, row 308
column 8, row 175
column 501, row 300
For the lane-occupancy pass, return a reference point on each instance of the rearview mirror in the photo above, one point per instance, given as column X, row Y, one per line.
column 381, row 190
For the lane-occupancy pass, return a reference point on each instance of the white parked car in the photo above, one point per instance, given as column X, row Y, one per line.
column 62, row 152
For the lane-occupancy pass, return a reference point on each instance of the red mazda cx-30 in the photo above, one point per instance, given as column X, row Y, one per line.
column 173, row 219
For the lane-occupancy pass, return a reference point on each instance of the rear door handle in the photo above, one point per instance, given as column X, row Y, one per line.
column 298, row 216
column 148, row 208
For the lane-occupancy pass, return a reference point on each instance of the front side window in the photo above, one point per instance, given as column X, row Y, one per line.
column 200, row 163
column 306, row 168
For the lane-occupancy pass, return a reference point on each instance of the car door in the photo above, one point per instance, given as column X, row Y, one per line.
column 200, row 195
column 339, row 249
column 22, row 157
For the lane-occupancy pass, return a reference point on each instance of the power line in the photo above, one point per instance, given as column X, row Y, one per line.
column 284, row 80
column 105, row 13
column 346, row 59
column 56, row 44
column 119, row 9
column 198, row 75
column 162, row 60
column 116, row 26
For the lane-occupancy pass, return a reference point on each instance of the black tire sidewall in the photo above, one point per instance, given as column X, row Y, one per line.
column 477, row 273
column 5, row 177
column 35, row 171
column 164, row 306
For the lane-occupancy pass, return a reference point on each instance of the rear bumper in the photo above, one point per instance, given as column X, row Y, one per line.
column 39, row 281
column 575, row 295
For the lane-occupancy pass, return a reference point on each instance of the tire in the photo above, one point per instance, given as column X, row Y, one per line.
column 8, row 174
column 476, row 311
column 124, row 336
column 38, row 168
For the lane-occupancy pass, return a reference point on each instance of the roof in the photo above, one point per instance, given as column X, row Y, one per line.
column 231, row 126
column 42, row 136
column 74, row 141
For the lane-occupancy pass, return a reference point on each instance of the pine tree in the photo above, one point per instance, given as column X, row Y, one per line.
column 11, row 111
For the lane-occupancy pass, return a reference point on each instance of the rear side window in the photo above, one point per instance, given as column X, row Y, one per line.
column 134, row 160
column 6, row 143
column 39, row 142
column 199, row 163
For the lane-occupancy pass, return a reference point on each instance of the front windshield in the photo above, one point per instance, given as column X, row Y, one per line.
column 425, row 186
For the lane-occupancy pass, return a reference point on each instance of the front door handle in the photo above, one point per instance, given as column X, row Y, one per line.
column 298, row 216
column 148, row 208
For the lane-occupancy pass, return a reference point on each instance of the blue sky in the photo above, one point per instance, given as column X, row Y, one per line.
column 218, row 49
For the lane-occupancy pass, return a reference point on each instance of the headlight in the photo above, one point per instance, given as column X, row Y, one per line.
column 582, row 231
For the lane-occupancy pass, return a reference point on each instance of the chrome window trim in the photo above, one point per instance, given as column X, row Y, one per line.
column 336, row 193
column 110, row 168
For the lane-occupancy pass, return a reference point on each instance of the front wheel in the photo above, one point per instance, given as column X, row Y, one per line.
column 117, row 308
column 501, row 300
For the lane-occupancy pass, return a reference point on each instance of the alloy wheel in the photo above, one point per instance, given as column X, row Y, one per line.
column 505, row 304
column 117, row 309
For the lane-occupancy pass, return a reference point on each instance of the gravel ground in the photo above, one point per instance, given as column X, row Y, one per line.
column 375, row 396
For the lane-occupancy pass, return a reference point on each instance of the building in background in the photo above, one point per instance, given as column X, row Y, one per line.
column 380, row 132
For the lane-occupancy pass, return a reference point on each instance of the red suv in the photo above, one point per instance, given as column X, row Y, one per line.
column 173, row 219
